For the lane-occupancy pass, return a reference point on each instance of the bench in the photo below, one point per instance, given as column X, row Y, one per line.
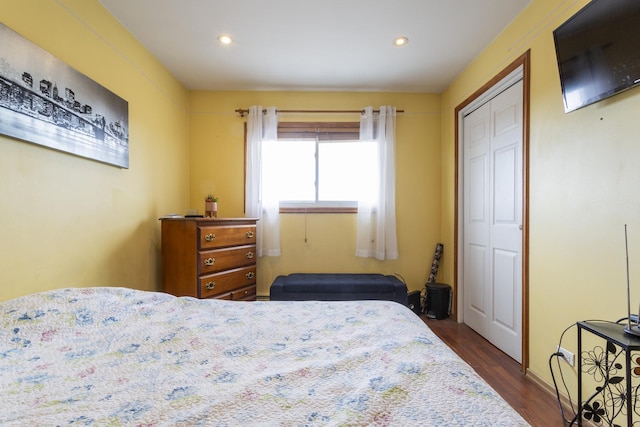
column 338, row 287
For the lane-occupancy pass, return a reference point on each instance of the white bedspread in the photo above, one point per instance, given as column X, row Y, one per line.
column 116, row 356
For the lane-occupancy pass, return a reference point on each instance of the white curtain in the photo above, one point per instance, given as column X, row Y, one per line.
column 260, row 202
column 376, row 233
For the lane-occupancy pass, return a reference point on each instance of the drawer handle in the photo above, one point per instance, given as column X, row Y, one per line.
column 249, row 255
column 209, row 261
column 209, row 286
column 250, row 234
column 210, row 237
column 250, row 275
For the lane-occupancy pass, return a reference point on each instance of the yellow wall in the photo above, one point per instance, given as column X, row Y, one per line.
column 584, row 178
column 217, row 153
column 69, row 221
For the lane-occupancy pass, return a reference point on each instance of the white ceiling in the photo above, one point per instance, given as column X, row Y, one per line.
column 329, row 45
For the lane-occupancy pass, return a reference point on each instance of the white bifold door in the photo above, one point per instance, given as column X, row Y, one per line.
column 492, row 225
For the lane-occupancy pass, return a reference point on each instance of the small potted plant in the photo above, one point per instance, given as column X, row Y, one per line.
column 211, row 206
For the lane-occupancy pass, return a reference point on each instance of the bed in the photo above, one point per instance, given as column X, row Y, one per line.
column 118, row 356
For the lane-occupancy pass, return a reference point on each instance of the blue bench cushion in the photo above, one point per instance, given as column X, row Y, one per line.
column 338, row 287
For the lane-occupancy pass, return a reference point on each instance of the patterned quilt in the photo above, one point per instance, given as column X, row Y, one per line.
column 116, row 356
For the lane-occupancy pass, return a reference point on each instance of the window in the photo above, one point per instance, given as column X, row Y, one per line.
column 320, row 167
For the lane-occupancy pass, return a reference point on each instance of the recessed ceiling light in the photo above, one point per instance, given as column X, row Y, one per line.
column 224, row 39
column 400, row 41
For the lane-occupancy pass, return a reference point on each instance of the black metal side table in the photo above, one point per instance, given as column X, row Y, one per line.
column 614, row 393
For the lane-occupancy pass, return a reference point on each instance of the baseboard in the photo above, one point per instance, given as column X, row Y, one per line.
column 564, row 400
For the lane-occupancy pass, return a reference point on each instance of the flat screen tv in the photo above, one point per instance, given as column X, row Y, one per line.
column 598, row 52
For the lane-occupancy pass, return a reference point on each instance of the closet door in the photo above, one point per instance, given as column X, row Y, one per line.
column 492, row 235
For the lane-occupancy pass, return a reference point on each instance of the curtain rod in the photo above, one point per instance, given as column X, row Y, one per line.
column 242, row 112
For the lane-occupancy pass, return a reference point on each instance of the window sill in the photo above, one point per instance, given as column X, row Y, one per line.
column 319, row 210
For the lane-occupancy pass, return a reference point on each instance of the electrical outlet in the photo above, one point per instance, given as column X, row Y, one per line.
column 566, row 355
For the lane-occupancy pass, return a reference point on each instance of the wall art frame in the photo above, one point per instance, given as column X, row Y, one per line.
column 45, row 101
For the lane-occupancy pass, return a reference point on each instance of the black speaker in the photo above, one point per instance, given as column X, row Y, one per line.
column 413, row 302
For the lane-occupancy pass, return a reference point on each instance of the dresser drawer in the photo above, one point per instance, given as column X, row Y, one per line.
column 244, row 294
column 216, row 284
column 223, row 236
column 225, row 259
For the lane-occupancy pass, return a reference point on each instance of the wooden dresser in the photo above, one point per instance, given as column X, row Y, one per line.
column 209, row 257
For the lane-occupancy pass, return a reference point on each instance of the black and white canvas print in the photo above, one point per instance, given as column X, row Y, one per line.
column 47, row 102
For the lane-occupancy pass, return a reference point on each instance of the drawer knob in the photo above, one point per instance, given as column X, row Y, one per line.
column 209, row 286
column 209, row 261
column 210, row 237
column 250, row 275
column 249, row 255
column 250, row 234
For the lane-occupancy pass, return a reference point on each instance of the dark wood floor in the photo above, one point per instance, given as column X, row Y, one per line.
column 536, row 405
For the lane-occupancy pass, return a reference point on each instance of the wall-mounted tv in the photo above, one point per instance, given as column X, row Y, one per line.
column 598, row 52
